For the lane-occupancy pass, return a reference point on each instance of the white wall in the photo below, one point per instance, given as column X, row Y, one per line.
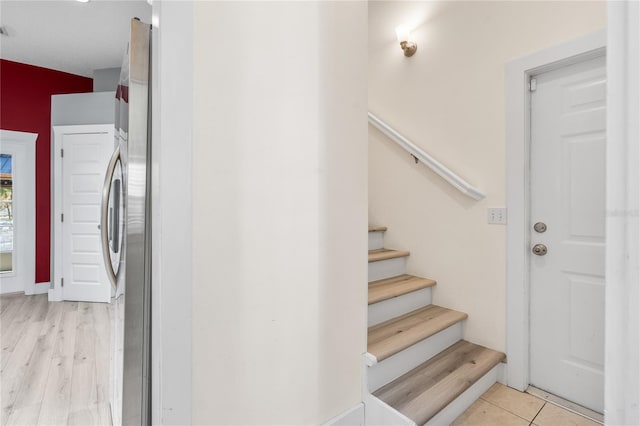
column 279, row 211
column 449, row 99
column 83, row 108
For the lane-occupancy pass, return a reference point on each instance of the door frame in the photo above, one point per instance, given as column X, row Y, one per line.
column 517, row 76
column 622, row 378
column 23, row 148
column 56, row 293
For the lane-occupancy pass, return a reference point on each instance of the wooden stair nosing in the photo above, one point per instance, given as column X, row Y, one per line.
column 392, row 336
column 424, row 391
column 396, row 286
column 385, row 254
column 377, row 228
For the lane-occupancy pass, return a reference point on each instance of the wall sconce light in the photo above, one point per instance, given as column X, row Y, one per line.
column 406, row 44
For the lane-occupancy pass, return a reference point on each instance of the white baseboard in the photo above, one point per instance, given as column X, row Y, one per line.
column 9, row 290
column 352, row 417
column 10, row 284
column 38, row 288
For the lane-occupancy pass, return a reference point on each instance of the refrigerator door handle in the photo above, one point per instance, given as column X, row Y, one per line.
column 114, row 238
column 104, row 217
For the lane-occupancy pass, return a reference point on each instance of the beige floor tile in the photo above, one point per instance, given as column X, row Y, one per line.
column 482, row 413
column 552, row 415
column 519, row 403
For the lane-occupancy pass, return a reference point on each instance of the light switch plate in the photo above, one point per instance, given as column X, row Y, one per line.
column 497, row 216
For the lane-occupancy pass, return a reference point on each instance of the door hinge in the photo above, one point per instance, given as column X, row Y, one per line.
column 61, row 282
column 61, row 217
column 62, row 153
column 533, row 85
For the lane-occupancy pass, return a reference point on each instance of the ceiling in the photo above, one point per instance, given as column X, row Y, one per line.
column 67, row 35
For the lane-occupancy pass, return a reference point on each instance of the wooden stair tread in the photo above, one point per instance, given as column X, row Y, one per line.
column 396, row 286
column 384, row 254
column 377, row 228
column 392, row 336
column 424, row 391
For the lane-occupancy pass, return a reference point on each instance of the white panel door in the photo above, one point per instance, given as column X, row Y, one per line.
column 84, row 163
column 568, row 137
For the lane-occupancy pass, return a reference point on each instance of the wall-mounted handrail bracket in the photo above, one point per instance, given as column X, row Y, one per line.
column 419, row 155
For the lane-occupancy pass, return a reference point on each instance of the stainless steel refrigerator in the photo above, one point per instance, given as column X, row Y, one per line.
column 126, row 235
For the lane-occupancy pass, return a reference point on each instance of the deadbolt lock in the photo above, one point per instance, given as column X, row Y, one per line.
column 539, row 249
column 540, row 227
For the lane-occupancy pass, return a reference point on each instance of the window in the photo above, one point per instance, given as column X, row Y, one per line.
column 6, row 213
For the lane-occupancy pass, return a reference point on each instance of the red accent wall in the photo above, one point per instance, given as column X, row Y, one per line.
column 25, row 105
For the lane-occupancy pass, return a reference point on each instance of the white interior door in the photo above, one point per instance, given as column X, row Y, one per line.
column 568, row 137
column 84, row 163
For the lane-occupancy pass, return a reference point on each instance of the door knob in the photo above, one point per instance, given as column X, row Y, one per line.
column 539, row 249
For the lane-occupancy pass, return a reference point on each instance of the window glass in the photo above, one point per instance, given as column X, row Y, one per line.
column 6, row 213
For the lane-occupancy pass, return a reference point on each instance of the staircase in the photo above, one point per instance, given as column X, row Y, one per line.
column 419, row 370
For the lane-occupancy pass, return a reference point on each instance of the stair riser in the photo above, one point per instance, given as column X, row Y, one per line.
column 376, row 240
column 386, row 268
column 395, row 366
column 458, row 406
column 391, row 308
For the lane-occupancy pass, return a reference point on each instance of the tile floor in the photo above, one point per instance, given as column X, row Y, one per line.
column 503, row 406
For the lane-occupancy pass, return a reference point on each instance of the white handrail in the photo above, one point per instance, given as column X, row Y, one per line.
column 460, row 184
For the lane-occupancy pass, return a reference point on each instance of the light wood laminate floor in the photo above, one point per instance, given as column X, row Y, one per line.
column 54, row 361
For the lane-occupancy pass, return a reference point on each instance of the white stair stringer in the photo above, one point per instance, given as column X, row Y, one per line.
column 397, row 306
column 386, row 268
column 376, row 240
column 385, row 371
column 378, row 413
column 448, row 414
